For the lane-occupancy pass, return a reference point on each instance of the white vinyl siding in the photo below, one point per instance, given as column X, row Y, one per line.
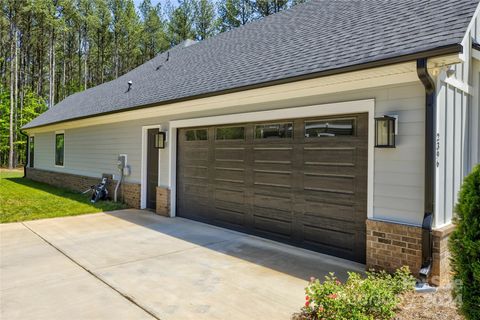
column 398, row 174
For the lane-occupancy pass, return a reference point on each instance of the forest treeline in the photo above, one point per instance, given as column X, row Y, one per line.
column 50, row 49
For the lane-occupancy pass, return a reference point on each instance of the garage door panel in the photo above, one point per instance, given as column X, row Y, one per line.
column 316, row 235
column 234, row 175
column 273, row 153
column 329, row 155
column 274, row 201
column 195, row 172
column 225, row 216
column 196, row 190
column 307, row 191
column 273, row 178
column 230, row 154
column 344, row 184
column 272, row 225
column 228, row 195
column 193, row 154
column 339, row 212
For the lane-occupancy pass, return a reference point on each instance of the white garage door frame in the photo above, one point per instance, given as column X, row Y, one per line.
column 330, row 109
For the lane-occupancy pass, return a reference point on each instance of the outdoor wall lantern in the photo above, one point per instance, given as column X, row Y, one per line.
column 160, row 140
column 385, row 130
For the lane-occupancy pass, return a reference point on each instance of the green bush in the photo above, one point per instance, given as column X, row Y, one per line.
column 464, row 246
column 373, row 297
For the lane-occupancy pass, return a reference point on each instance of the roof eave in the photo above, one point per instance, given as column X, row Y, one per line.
column 436, row 52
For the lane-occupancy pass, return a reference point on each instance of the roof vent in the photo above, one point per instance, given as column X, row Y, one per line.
column 129, row 85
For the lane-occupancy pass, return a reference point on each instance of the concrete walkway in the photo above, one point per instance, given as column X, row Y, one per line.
column 132, row 264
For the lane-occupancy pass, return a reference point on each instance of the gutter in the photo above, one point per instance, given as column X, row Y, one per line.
column 430, row 148
column 27, row 160
column 436, row 52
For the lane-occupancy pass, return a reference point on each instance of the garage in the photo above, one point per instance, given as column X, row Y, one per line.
column 300, row 181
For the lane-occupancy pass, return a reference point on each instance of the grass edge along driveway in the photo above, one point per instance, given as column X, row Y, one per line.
column 22, row 199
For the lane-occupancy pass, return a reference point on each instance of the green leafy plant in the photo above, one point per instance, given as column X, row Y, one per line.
column 372, row 297
column 464, row 246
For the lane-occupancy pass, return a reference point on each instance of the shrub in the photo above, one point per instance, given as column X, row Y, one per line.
column 464, row 246
column 373, row 297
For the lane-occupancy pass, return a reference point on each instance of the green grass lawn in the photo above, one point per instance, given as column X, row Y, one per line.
column 23, row 199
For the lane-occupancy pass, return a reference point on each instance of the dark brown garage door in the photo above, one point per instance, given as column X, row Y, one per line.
column 301, row 181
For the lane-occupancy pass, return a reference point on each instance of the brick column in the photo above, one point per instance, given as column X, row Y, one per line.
column 391, row 246
column 163, row 201
column 441, row 272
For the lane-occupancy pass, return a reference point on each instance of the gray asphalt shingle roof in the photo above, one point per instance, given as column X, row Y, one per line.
column 317, row 36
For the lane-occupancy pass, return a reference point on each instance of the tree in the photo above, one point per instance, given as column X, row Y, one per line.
column 180, row 26
column 464, row 246
column 204, row 19
column 154, row 38
column 267, row 7
column 50, row 49
column 234, row 13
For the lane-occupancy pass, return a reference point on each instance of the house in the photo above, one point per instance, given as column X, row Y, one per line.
column 343, row 127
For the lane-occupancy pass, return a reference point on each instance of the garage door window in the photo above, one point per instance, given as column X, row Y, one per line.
column 329, row 128
column 274, row 130
column 230, row 133
column 196, row 135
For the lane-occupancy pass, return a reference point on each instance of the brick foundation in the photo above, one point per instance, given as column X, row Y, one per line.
column 163, row 201
column 391, row 246
column 129, row 192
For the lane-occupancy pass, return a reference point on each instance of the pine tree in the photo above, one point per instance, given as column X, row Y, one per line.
column 204, row 19
column 180, row 26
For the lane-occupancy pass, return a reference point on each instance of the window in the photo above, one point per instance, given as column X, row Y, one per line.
column 31, row 151
column 196, row 135
column 274, row 130
column 59, row 148
column 329, row 128
column 231, row 133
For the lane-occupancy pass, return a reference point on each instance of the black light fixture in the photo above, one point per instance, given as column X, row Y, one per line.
column 385, row 132
column 160, row 140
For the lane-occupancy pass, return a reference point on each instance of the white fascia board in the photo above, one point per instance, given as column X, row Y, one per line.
column 358, row 80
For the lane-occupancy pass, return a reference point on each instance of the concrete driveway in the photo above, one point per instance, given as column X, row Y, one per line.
column 132, row 264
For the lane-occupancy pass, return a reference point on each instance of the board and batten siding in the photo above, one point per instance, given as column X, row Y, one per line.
column 398, row 173
column 458, row 119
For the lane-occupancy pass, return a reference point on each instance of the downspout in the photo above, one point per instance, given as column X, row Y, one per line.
column 26, row 153
column 429, row 196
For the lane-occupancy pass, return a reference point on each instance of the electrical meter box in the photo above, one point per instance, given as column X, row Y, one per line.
column 122, row 161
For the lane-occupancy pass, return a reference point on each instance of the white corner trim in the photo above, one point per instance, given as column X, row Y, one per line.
column 471, row 24
column 143, row 174
column 359, row 106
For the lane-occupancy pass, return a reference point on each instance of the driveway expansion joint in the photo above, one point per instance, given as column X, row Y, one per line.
column 93, row 274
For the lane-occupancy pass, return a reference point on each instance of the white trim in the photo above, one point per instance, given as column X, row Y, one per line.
column 143, row 179
column 467, row 35
column 55, row 148
column 476, row 54
column 329, row 109
column 460, row 85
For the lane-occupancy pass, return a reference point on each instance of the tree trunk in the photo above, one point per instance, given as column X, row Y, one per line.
column 12, row 87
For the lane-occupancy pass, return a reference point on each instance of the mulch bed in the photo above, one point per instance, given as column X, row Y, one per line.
column 437, row 305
